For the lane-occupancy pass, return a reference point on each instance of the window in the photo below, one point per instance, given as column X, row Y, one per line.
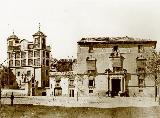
column 90, row 91
column 30, row 62
column 90, row 49
column 91, row 63
column 43, row 61
column 37, row 41
column 140, row 49
column 140, row 90
column 43, row 43
column 23, row 54
column 43, row 53
column 23, row 62
column 18, row 74
column 47, row 54
column 36, row 53
column 17, row 63
column 17, row 55
column 57, row 83
column 30, row 46
column 16, row 41
column 51, row 85
column 71, row 82
column 11, row 63
column 30, row 54
column 28, row 73
column 140, row 80
column 91, row 83
column 47, row 62
column 37, row 62
column 10, row 43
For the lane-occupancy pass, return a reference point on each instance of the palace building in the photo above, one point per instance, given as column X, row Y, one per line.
column 114, row 65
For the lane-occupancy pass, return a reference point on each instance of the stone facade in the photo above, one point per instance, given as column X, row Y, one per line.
column 107, row 65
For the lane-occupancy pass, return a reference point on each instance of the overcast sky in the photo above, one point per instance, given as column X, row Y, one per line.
column 67, row 21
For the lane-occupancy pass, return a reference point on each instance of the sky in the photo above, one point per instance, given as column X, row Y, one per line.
column 67, row 21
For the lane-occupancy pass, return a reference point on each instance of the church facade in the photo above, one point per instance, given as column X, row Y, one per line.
column 29, row 60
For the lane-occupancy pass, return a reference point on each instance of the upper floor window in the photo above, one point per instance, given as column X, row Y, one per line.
column 23, row 54
column 90, row 49
column 23, row 62
column 37, row 62
column 11, row 63
column 140, row 49
column 91, row 81
column 140, row 81
column 47, row 62
column 11, row 43
column 16, row 41
column 37, row 53
column 30, row 54
column 30, row 62
column 47, row 54
column 17, row 63
column 91, row 63
column 17, row 55
column 71, row 82
column 18, row 74
column 37, row 40
column 30, row 46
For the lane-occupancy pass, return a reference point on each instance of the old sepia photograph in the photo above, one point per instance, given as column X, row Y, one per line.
column 80, row 59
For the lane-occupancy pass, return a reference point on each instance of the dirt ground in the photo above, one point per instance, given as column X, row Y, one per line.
column 30, row 111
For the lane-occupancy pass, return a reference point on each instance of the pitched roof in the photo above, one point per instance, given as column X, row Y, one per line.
column 112, row 40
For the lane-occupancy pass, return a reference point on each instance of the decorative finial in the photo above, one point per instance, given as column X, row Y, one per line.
column 39, row 26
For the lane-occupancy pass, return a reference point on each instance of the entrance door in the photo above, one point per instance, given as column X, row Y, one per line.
column 116, row 86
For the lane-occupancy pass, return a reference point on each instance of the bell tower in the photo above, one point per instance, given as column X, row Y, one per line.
column 39, row 39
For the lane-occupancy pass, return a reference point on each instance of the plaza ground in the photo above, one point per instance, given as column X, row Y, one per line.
column 31, row 111
column 97, row 102
column 82, row 107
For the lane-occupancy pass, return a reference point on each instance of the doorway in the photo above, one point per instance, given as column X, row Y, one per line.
column 116, row 86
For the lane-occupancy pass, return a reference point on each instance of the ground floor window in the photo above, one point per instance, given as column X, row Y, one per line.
column 71, row 93
column 90, row 91
column 57, row 91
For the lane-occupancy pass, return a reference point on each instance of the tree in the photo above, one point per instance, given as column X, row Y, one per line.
column 153, row 68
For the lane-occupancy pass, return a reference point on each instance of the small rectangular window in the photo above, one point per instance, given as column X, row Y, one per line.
column 91, row 83
column 18, row 74
column 90, row 91
column 90, row 49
